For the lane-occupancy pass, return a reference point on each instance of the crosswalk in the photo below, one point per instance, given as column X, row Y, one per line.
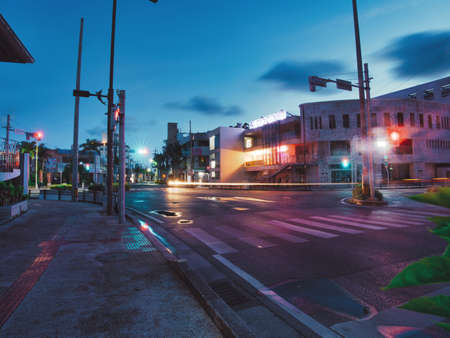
column 268, row 233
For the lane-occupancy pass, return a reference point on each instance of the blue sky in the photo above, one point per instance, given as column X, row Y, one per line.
column 212, row 62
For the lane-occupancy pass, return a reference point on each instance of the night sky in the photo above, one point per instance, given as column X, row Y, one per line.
column 212, row 62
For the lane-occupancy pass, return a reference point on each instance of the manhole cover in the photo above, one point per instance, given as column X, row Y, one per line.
column 185, row 221
column 167, row 213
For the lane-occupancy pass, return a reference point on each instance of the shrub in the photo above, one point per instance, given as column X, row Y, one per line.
column 10, row 193
column 360, row 194
column 96, row 187
column 116, row 187
column 63, row 186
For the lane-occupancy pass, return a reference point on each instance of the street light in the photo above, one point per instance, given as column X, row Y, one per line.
column 143, row 151
column 38, row 136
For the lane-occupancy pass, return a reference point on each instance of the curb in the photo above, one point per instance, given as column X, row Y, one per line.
column 226, row 320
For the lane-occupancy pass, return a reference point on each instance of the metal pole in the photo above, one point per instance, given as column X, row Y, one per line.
column 369, row 137
column 122, row 158
column 36, row 171
column 361, row 91
column 109, row 173
column 8, row 126
column 75, row 121
column 192, row 155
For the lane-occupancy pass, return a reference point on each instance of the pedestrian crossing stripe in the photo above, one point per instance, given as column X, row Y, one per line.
column 210, row 241
column 245, row 237
column 396, row 218
column 426, row 213
column 312, row 232
column 399, row 214
column 325, row 226
column 340, row 221
column 370, row 221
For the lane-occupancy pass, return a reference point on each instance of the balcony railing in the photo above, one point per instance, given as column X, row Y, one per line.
column 9, row 155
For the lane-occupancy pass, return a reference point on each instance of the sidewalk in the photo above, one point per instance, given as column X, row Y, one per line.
column 68, row 270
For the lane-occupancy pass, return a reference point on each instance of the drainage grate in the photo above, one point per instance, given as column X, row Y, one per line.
column 185, row 221
column 167, row 213
column 228, row 293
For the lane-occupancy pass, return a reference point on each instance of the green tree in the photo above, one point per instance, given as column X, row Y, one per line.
column 91, row 144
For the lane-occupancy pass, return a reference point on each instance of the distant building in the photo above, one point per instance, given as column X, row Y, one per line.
column 434, row 91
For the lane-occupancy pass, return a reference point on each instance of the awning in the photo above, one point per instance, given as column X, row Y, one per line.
column 11, row 48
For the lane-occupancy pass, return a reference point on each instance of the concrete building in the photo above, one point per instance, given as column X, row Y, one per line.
column 434, row 91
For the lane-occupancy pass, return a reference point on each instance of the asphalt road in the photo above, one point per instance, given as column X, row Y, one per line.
column 326, row 258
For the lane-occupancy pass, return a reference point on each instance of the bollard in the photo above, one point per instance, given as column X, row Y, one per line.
column 95, row 196
column 45, row 194
column 59, row 195
column 84, row 195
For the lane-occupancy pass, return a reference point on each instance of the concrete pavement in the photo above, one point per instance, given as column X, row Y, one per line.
column 68, row 270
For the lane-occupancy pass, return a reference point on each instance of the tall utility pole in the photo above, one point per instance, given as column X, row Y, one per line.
column 192, row 155
column 122, row 157
column 109, row 171
column 369, row 136
column 8, row 126
column 361, row 94
column 75, row 121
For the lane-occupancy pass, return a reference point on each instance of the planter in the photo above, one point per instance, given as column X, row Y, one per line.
column 14, row 210
column 366, row 202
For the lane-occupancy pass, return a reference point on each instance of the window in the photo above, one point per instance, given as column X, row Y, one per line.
column 320, row 122
column 311, row 126
column 387, row 120
column 421, row 120
column 373, row 120
column 400, row 119
column 338, row 148
column 248, row 142
column 430, row 122
column 412, row 119
column 316, row 123
column 332, row 121
column 358, row 120
column 345, row 121
column 438, row 122
column 212, row 142
column 428, row 94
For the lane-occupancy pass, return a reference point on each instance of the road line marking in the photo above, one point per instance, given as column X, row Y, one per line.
column 155, row 219
column 244, row 237
column 399, row 214
column 210, row 241
column 395, row 218
column 295, row 312
column 252, row 199
column 423, row 213
column 240, row 209
column 363, row 220
column 340, row 221
column 325, row 226
column 275, row 233
column 297, row 228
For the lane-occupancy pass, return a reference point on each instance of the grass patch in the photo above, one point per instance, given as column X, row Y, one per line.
column 439, row 196
column 437, row 305
column 444, row 325
column 63, row 186
column 442, row 228
column 428, row 270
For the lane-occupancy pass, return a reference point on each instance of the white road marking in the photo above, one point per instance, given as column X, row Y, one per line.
column 275, row 233
column 340, row 221
column 325, row 226
column 240, row 209
column 394, row 218
column 299, row 315
column 252, row 199
column 245, row 237
column 155, row 219
column 422, row 213
column 297, row 228
column 370, row 221
column 210, row 241
column 399, row 214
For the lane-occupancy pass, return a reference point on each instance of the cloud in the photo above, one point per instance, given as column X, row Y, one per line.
column 293, row 75
column 419, row 54
column 205, row 106
column 96, row 131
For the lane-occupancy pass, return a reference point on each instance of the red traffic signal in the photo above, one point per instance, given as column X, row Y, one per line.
column 38, row 135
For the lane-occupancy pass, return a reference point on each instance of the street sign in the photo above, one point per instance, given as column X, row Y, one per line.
column 342, row 84
column 82, row 93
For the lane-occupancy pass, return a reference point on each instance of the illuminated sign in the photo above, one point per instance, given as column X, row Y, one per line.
column 278, row 116
column 212, row 142
column 248, row 142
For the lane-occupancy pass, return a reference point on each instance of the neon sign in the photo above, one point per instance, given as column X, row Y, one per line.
column 278, row 116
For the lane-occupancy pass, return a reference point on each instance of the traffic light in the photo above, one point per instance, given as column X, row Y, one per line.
column 345, row 163
column 38, row 135
column 395, row 137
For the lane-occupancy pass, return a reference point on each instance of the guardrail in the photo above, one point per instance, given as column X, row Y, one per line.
column 66, row 195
